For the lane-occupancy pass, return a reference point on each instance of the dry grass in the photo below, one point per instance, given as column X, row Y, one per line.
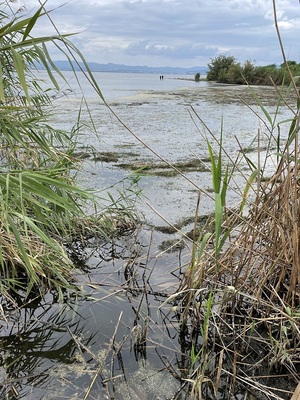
column 240, row 307
column 249, row 337
column 265, row 256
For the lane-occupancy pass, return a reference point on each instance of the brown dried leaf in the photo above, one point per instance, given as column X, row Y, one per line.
column 296, row 394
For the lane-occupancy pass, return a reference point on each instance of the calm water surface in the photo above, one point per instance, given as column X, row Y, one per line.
column 89, row 350
column 172, row 119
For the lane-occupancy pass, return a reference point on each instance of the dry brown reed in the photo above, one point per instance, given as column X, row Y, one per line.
column 252, row 324
column 265, row 256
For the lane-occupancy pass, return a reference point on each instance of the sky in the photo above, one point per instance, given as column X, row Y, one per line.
column 177, row 33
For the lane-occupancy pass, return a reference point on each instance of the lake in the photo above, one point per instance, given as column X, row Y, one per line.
column 121, row 341
column 163, row 115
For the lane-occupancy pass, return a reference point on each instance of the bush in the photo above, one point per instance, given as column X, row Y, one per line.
column 218, row 68
column 225, row 70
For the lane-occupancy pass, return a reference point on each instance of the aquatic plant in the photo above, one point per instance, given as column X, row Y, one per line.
column 245, row 293
column 40, row 204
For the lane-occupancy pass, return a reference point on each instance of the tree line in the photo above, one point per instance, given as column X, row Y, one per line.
column 225, row 69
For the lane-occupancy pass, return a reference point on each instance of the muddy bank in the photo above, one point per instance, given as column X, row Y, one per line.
column 219, row 93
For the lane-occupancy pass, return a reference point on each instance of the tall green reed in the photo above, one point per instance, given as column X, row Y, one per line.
column 40, row 202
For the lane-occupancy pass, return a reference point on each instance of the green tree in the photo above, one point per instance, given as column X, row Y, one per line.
column 218, row 68
column 197, row 77
column 227, row 70
column 248, row 72
column 266, row 75
column 234, row 74
column 292, row 68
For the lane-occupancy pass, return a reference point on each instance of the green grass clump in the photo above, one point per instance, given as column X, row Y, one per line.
column 40, row 203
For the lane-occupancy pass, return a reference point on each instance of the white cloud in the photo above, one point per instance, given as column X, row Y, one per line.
column 285, row 24
column 176, row 32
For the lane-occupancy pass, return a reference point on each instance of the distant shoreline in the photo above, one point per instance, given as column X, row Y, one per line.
column 184, row 79
column 122, row 68
column 188, row 79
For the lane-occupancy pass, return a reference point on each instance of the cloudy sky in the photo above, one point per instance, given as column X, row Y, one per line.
column 182, row 33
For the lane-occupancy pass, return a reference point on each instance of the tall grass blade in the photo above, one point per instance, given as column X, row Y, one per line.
column 20, row 69
column 23, row 252
column 2, row 94
column 219, row 209
column 31, row 23
column 43, row 60
column 225, row 187
column 248, row 186
column 214, row 166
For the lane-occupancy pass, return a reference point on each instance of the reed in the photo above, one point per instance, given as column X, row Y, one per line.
column 247, row 271
column 40, row 203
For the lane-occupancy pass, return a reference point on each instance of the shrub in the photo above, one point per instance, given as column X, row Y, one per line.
column 218, row 68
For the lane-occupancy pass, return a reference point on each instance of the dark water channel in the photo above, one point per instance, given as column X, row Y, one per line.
column 119, row 341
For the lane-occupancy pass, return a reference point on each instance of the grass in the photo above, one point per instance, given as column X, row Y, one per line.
column 40, row 202
column 240, row 297
column 238, row 303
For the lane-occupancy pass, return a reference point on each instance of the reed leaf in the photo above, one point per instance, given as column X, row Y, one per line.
column 42, row 235
column 25, row 258
column 43, row 60
column 261, row 106
column 2, row 94
column 29, row 43
column 219, row 209
column 51, row 63
column 13, row 27
column 20, row 69
column 86, row 70
column 31, row 23
column 203, row 244
column 248, row 186
column 224, row 187
column 214, row 166
column 293, row 131
column 42, row 187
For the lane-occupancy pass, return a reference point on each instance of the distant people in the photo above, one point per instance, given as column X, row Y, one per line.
column 161, row 77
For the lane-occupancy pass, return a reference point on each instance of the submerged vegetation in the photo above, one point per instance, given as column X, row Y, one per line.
column 163, row 169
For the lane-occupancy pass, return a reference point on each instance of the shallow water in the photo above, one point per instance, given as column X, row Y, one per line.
column 171, row 120
column 90, row 346
column 88, row 350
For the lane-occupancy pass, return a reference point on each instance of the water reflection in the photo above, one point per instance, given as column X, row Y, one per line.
column 116, row 342
column 34, row 340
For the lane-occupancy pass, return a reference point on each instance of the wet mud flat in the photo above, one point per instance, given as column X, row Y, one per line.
column 122, row 339
column 219, row 93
